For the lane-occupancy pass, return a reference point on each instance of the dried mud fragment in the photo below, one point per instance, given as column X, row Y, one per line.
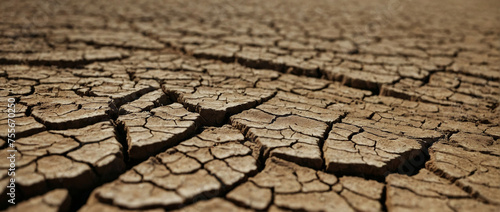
column 76, row 159
column 287, row 186
column 473, row 170
column 201, row 167
column 430, row 192
column 148, row 133
column 57, row 200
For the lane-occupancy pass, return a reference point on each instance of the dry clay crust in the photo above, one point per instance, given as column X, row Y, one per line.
column 250, row 106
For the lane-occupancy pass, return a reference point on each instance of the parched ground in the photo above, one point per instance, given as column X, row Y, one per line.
column 328, row 105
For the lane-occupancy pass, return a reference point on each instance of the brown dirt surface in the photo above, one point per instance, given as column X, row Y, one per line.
column 218, row 105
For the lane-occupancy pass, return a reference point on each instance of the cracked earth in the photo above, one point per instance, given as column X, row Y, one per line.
column 252, row 105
